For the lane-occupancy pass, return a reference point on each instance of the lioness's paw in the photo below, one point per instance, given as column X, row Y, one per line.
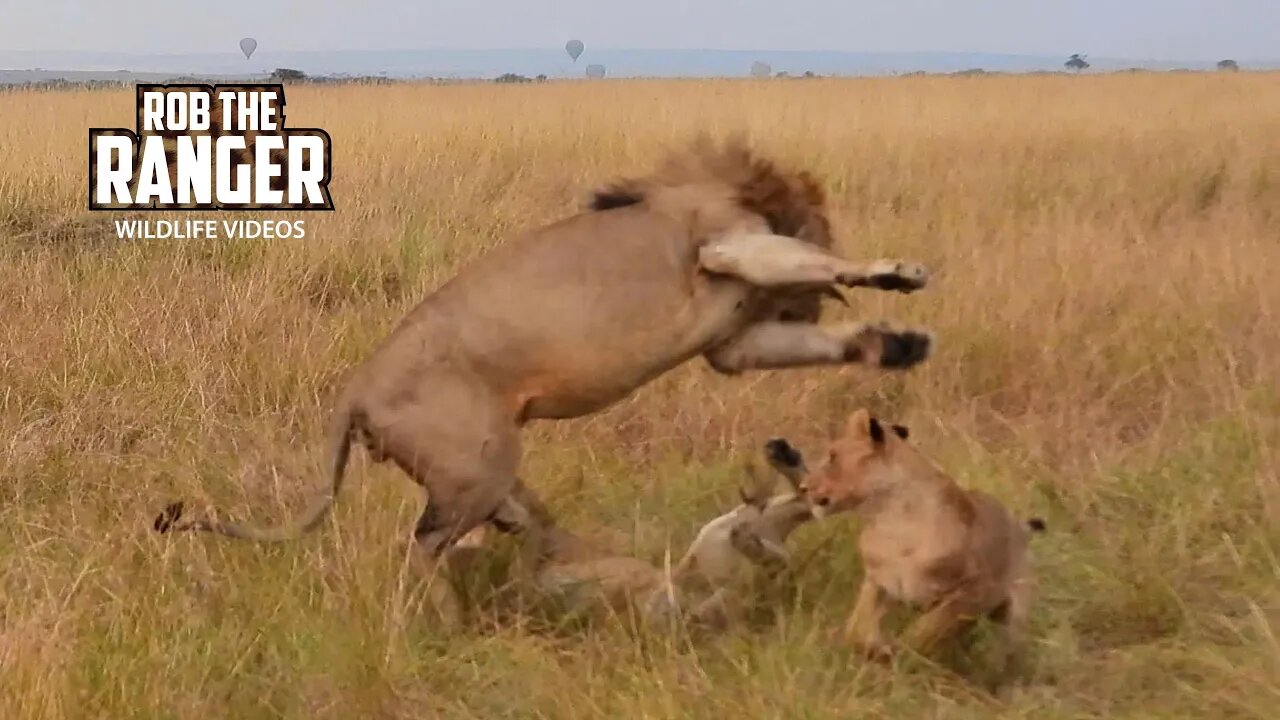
column 904, row 277
column 875, row 652
column 167, row 517
column 782, row 453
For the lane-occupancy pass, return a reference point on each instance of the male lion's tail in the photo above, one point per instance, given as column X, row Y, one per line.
column 170, row 519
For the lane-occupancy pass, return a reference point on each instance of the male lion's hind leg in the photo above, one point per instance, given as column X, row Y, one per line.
column 447, row 521
column 434, row 537
column 772, row 345
column 523, row 514
column 463, row 453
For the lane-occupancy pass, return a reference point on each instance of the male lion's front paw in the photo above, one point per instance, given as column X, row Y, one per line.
column 882, row 346
column 900, row 350
column 903, row 277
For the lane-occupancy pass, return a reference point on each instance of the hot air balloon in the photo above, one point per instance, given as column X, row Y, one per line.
column 574, row 48
column 761, row 69
column 247, row 46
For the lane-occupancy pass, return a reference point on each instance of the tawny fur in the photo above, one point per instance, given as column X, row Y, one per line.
column 710, row 582
column 956, row 554
column 719, row 254
column 709, row 585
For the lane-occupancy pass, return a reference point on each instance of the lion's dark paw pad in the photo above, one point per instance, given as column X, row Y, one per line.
column 903, row 277
column 894, row 282
column 167, row 517
column 781, row 452
column 905, row 349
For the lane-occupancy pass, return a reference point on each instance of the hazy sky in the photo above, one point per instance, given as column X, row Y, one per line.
column 1142, row 29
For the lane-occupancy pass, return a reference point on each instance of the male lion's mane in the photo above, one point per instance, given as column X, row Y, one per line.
column 792, row 203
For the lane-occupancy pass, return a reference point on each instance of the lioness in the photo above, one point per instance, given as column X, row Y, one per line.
column 705, row 587
column 721, row 558
column 718, row 254
column 927, row 542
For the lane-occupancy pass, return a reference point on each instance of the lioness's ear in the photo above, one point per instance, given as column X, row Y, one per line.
column 876, row 431
column 901, row 431
column 856, row 425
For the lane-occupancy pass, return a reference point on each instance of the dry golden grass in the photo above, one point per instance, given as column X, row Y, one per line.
column 1107, row 252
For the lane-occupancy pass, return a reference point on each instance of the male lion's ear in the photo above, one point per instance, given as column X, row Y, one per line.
column 901, row 431
column 811, row 189
column 876, row 430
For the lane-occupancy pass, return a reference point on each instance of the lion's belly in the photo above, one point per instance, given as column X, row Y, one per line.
column 575, row 397
column 592, row 384
column 559, row 401
column 574, row 375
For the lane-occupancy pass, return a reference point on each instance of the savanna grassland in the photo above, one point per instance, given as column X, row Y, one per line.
column 1107, row 307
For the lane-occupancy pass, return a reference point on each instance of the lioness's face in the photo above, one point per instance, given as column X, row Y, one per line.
column 859, row 465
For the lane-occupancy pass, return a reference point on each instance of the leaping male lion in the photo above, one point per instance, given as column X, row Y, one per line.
column 719, row 253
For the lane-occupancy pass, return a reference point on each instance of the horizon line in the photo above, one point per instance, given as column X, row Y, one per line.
column 542, row 48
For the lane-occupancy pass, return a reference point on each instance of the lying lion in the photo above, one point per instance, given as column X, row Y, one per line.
column 706, row 588
column 719, row 254
column 727, row 552
column 957, row 554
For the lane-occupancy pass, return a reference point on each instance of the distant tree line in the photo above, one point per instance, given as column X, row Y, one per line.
column 1075, row 63
column 292, row 76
